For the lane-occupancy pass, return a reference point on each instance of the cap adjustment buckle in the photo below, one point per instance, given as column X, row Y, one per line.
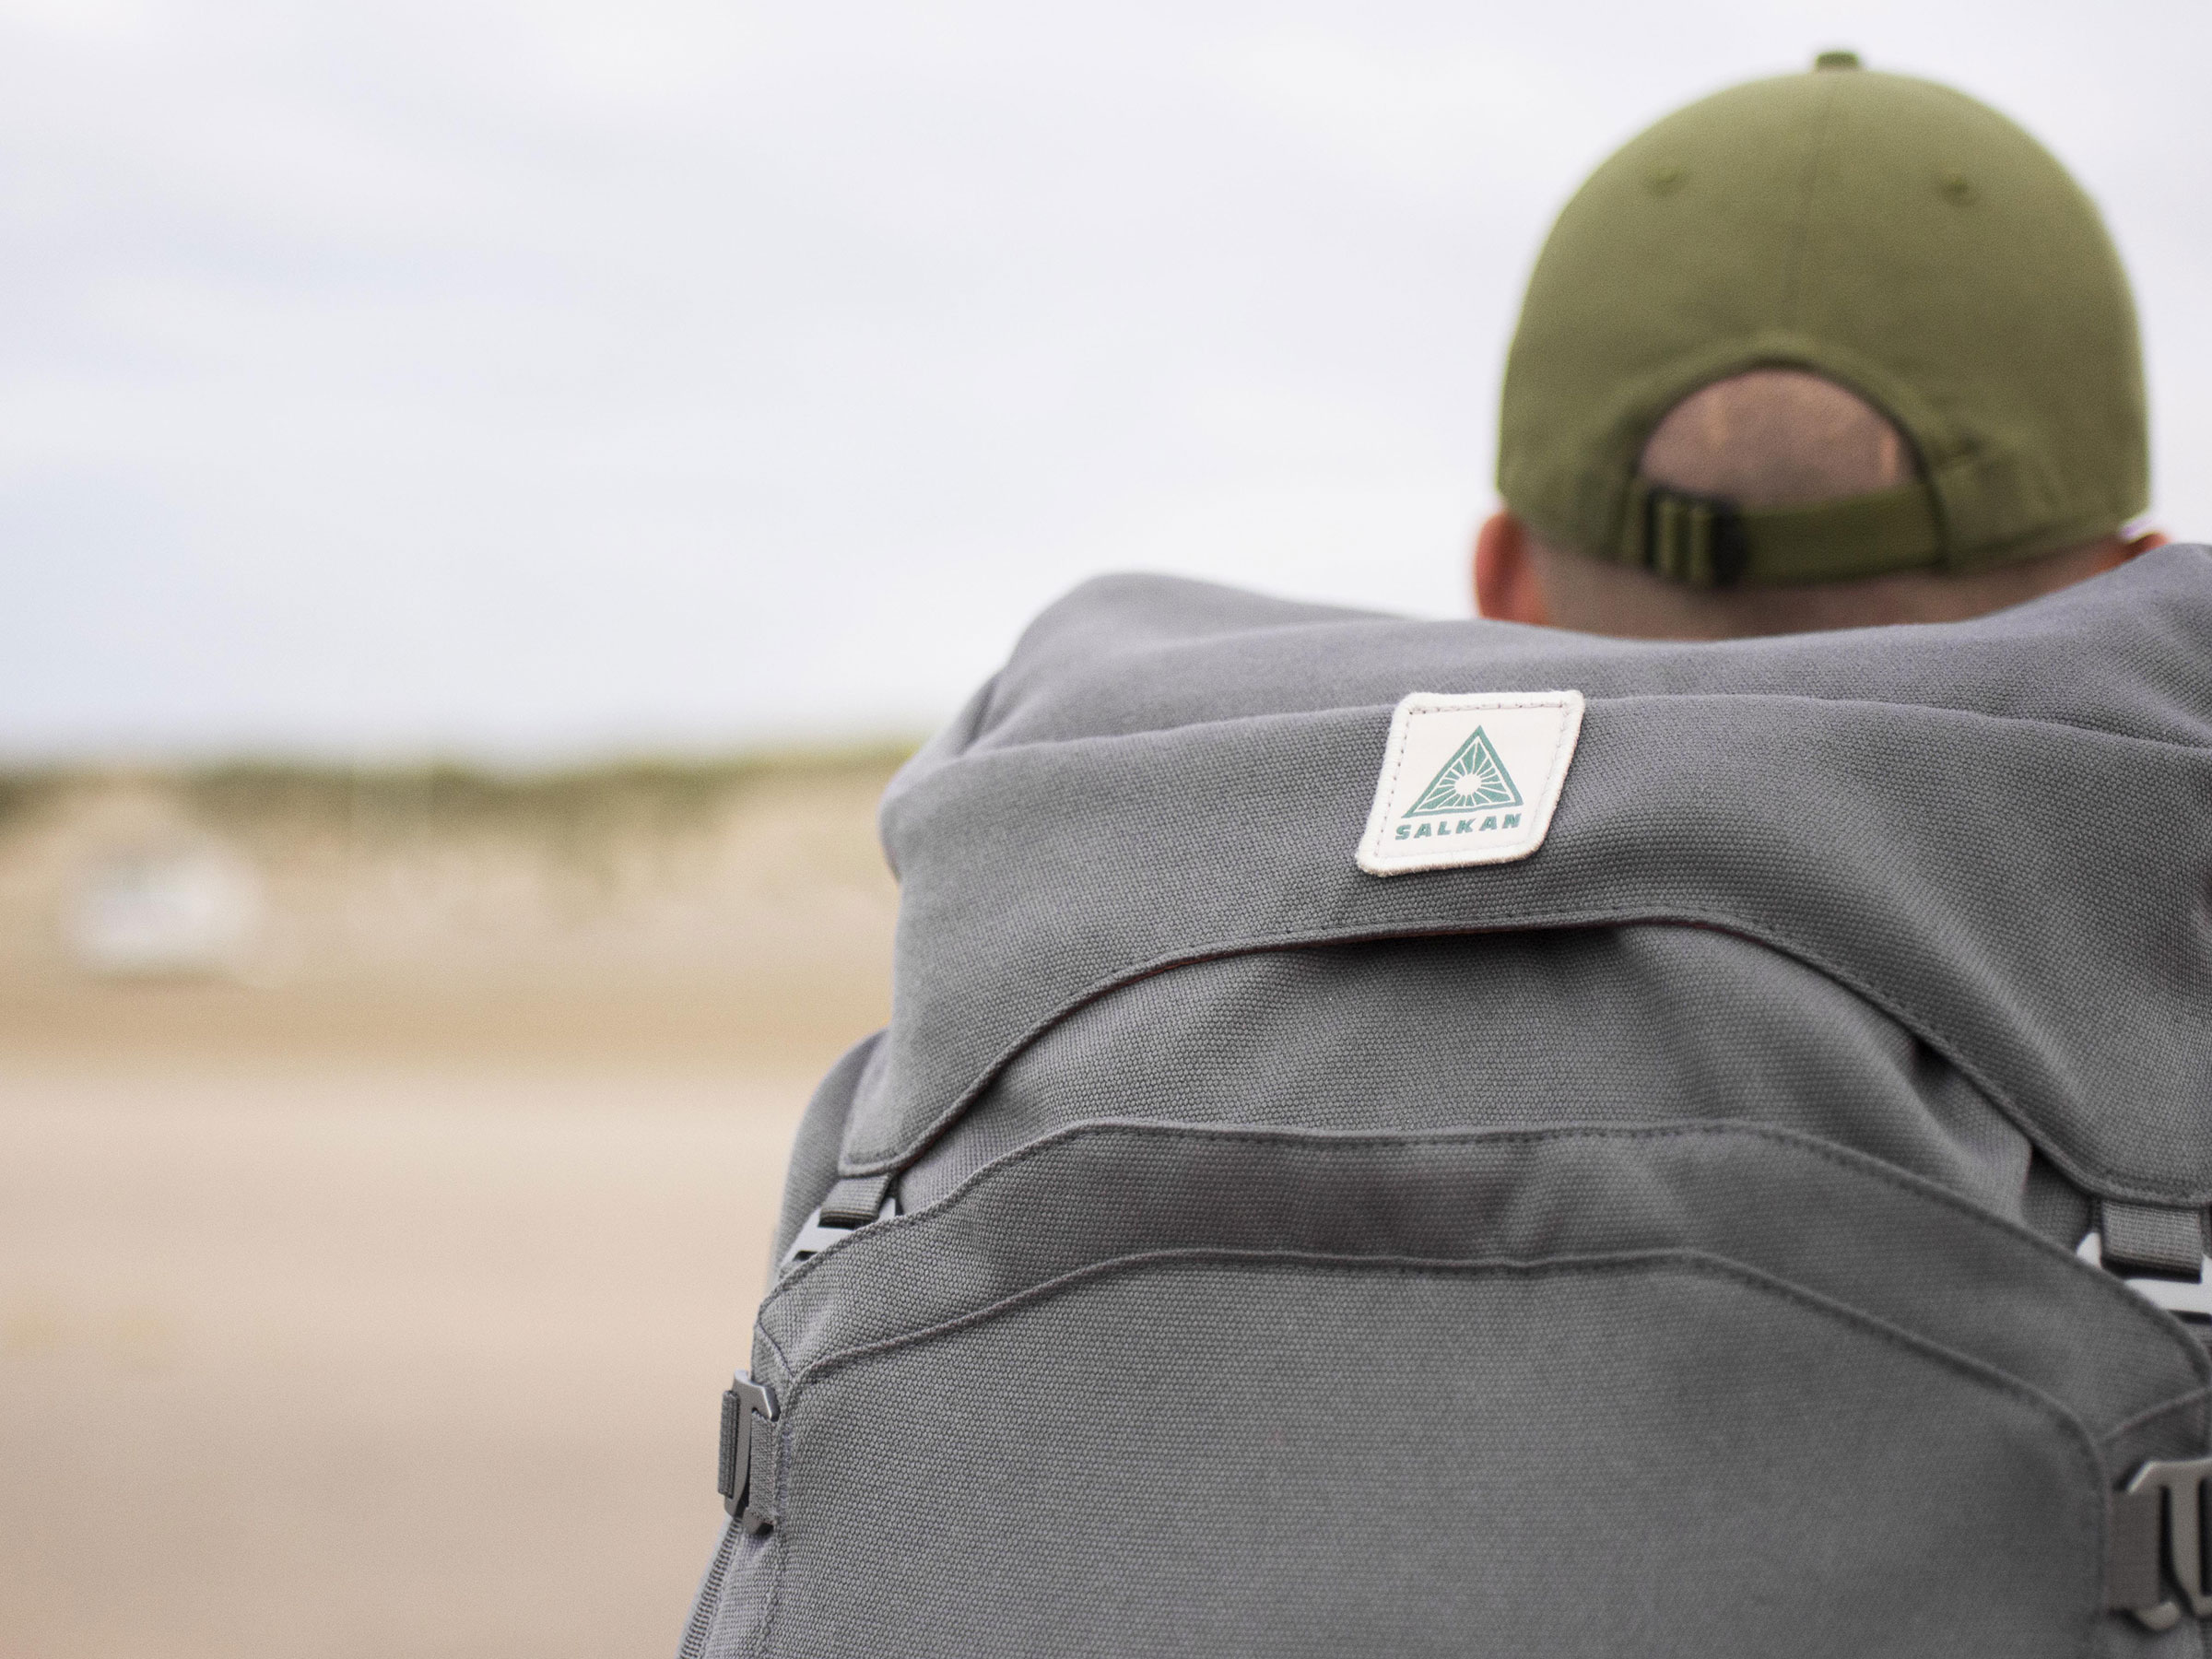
column 1693, row 538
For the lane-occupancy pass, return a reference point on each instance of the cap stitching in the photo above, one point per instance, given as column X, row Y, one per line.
column 1792, row 285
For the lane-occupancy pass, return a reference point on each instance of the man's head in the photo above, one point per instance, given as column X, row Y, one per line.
column 1820, row 351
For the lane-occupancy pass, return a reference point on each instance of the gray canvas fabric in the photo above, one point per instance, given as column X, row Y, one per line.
column 1905, row 810
column 1662, row 1245
column 1708, row 1389
column 1619, row 1025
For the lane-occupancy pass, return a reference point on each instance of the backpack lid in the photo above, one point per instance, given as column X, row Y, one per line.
column 1995, row 830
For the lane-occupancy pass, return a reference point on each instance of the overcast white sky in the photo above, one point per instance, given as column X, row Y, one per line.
column 532, row 379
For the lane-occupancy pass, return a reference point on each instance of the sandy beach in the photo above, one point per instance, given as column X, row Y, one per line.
column 373, row 1253
column 336, row 1358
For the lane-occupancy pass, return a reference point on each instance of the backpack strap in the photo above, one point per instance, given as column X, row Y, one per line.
column 2150, row 1241
column 2156, row 1531
column 2160, row 1252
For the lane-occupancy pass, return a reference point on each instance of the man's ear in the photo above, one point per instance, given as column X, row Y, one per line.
column 2132, row 546
column 1506, row 589
column 2110, row 553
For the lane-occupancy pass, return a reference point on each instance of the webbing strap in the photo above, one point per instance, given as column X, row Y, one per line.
column 855, row 1201
column 1710, row 542
column 2152, row 1240
column 2132, row 1579
column 761, row 1503
column 2157, row 1530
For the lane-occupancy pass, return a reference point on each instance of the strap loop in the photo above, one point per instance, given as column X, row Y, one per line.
column 855, row 1201
column 2150, row 1241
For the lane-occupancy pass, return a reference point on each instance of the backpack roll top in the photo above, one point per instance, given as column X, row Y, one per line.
column 1977, row 874
column 1143, row 1388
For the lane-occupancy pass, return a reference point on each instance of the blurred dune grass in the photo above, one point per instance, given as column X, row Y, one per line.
column 729, row 909
column 387, row 1158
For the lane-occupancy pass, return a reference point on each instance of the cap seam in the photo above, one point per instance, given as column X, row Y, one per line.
column 1793, row 282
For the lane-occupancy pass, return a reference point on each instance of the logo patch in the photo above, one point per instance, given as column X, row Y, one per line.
column 1473, row 776
column 1469, row 779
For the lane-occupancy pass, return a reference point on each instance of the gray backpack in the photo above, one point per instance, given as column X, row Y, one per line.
column 1296, row 1210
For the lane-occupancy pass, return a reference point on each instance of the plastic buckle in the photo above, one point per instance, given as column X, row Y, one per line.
column 817, row 1235
column 742, row 1402
column 1695, row 539
column 2182, row 1296
column 2162, row 1502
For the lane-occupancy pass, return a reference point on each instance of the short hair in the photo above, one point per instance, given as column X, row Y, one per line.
column 1779, row 436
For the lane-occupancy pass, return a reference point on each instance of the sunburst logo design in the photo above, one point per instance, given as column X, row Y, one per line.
column 1473, row 776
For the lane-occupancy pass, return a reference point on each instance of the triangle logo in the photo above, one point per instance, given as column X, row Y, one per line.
column 1495, row 764
column 1474, row 776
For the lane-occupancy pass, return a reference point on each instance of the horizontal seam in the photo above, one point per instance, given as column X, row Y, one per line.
column 1685, row 1262
column 1843, row 1158
column 982, row 749
column 2196, row 1397
column 2071, row 1159
column 1682, row 1259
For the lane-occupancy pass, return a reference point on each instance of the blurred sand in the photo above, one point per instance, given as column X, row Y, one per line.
column 354, row 1362
column 382, row 1305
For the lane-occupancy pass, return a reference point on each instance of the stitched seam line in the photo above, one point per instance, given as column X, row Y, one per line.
column 1687, row 1263
column 2195, row 1397
column 1815, row 165
column 775, row 1347
column 1859, row 1163
column 1682, row 1260
column 2071, row 1160
column 764, row 1630
column 2038, row 721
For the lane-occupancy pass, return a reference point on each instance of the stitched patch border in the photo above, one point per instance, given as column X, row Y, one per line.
column 1469, row 779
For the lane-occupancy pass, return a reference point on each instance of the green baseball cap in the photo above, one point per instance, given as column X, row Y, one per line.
column 1888, row 233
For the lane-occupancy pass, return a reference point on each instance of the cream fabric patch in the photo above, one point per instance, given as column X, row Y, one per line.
column 1469, row 779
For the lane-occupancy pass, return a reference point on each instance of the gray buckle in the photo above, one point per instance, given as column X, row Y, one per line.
column 2163, row 1502
column 742, row 1402
column 818, row 1235
column 2174, row 1295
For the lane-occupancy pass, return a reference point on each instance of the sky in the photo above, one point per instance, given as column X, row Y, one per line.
column 534, row 382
